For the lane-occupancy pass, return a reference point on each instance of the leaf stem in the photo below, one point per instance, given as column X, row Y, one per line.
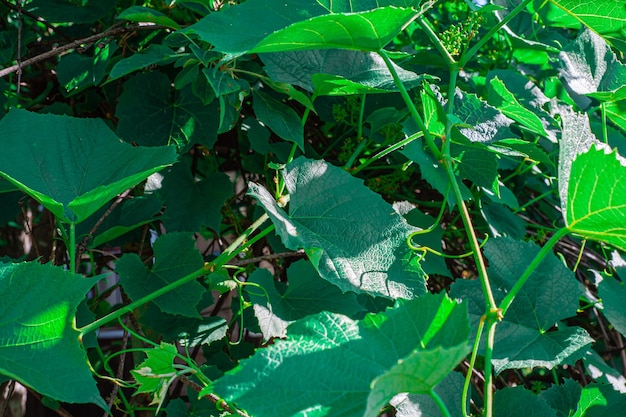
column 388, row 150
column 359, row 136
column 425, row 24
column 545, row 250
column 442, row 406
column 409, row 103
column 230, row 252
column 72, row 248
column 484, row 39
column 470, row 370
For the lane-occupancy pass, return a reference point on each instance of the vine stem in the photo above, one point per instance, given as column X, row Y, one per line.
column 483, row 40
column 545, row 250
column 230, row 252
column 442, row 406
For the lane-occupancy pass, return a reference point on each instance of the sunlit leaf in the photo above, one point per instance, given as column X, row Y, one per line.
column 38, row 337
column 353, row 367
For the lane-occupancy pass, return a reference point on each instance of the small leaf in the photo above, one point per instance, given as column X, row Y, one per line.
column 73, row 166
column 450, row 390
column 481, row 167
column 191, row 204
column 37, row 329
column 563, row 398
column 280, row 118
column 144, row 14
column 306, row 294
column 153, row 54
column 175, row 257
column 342, row 358
column 487, row 124
column 357, row 250
column 613, row 294
column 155, row 374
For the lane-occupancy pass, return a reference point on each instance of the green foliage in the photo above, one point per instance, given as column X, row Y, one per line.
column 289, row 193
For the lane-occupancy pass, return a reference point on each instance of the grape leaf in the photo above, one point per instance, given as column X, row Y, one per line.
column 37, row 328
column 520, row 402
column 155, row 374
column 73, row 166
column 613, row 294
column 352, row 367
column 280, row 118
column 306, row 294
column 525, row 337
column 357, row 250
column 175, row 257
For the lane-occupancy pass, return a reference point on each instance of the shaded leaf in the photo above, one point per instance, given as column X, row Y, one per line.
column 62, row 11
column 486, row 124
column 280, row 118
column 357, row 250
column 153, row 54
column 563, row 399
column 306, row 294
column 481, row 167
column 73, row 166
column 613, row 294
column 520, row 402
column 37, row 328
column 526, row 338
column 342, row 358
column 149, row 115
column 175, row 257
column 191, row 204
column 77, row 72
column 336, row 72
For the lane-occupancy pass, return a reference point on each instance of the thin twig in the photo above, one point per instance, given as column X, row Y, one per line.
column 80, row 43
column 119, row 374
column 19, row 47
column 5, row 404
column 33, row 16
column 212, row 397
column 83, row 245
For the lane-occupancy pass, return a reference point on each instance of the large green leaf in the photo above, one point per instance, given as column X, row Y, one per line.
column 175, row 257
column 144, row 14
column 292, row 26
column 596, row 196
column 305, row 295
column 153, row 54
column 520, row 402
column 365, row 31
column 352, row 368
column 354, row 238
column 38, row 337
column 450, row 390
column 150, row 115
column 336, row 71
column 482, row 123
column 605, row 17
column 525, row 338
column 72, row 166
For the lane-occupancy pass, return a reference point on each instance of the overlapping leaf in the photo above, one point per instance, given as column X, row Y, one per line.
column 352, row 368
column 73, row 166
column 605, row 17
column 38, row 338
column 304, row 24
column 354, row 238
column 175, row 257
column 525, row 337
column 336, row 72
column 305, row 295
column 149, row 115
column 613, row 294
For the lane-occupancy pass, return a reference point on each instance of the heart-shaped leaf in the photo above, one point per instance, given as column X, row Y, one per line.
column 73, row 166
column 38, row 337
